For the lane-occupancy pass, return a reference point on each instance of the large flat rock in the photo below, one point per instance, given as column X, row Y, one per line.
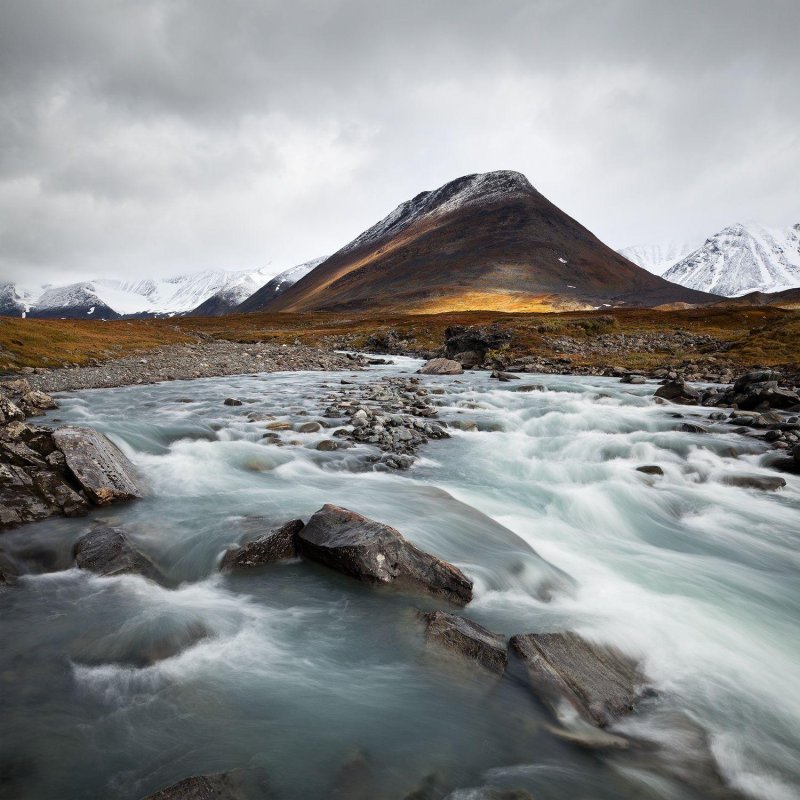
column 99, row 466
column 466, row 639
column 600, row 683
column 378, row 554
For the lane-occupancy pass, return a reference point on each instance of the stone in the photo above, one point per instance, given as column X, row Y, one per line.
column 278, row 426
column 38, row 400
column 461, row 339
column 231, row 401
column 278, row 544
column 107, row 551
column 31, row 494
column 756, row 376
column 441, row 366
column 529, row 387
column 766, row 483
column 504, row 377
column 631, row 378
column 10, row 411
column 235, row 785
column 678, row 392
column 309, row 427
column 689, row 427
column 466, row 638
column 600, row 683
column 378, row 554
column 100, row 467
column 650, row 469
column 328, row 445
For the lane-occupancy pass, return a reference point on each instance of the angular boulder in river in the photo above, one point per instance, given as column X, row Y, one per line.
column 504, row 377
column 108, row 551
column 600, row 683
column 650, row 469
column 466, row 638
column 378, row 554
column 766, row 483
column 632, row 378
column 99, row 466
column 441, row 366
column 678, row 392
column 278, row 544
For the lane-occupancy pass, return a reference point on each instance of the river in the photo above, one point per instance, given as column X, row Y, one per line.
column 295, row 669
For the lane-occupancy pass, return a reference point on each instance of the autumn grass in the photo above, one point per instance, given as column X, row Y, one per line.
column 760, row 335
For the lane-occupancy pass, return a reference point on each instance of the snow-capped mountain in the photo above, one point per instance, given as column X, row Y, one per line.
column 14, row 302
column 658, row 258
column 280, row 283
column 74, row 300
column 742, row 259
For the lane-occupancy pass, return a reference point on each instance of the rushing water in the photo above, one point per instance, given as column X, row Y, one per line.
column 294, row 668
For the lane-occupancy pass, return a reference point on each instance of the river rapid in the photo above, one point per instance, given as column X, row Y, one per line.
column 295, row 669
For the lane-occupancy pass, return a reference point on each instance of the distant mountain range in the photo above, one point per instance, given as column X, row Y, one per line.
column 487, row 241
column 736, row 261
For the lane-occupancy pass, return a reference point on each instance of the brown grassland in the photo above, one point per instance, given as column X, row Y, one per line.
column 753, row 336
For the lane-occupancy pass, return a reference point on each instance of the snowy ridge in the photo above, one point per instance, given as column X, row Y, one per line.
column 289, row 277
column 658, row 258
column 741, row 259
column 471, row 189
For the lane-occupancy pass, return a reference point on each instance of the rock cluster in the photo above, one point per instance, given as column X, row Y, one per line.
column 45, row 473
column 392, row 414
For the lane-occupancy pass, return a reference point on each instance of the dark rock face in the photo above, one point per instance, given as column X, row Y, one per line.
column 678, row 392
column 766, row 483
column 104, row 472
column 441, row 366
column 470, row 345
column 378, row 554
column 236, row 785
column 467, row 639
column 600, row 683
column 108, row 551
column 276, row 545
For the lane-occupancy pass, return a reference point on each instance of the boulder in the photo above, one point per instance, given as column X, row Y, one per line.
column 442, row 366
column 460, row 339
column 631, row 378
column 37, row 401
column 236, row 785
column 278, row 544
column 600, row 683
column 378, row 554
column 650, row 469
column 9, row 411
column 766, row 483
column 678, row 392
column 28, row 494
column 309, row 427
column 231, row 401
column 690, row 427
column 107, row 551
column 756, row 376
column 504, row 377
column 99, row 466
column 466, row 638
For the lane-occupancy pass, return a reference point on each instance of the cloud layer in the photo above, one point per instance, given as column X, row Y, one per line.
column 155, row 136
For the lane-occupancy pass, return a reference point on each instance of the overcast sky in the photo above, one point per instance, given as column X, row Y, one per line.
column 143, row 137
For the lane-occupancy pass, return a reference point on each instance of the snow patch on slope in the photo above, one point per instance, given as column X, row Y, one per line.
column 741, row 259
column 658, row 258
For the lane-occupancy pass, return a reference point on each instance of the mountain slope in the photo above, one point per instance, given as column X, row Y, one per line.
column 741, row 259
column 658, row 258
column 76, row 301
column 481, row 241
column 280, row 283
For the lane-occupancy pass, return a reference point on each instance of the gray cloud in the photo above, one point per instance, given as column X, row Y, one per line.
column 142, row 137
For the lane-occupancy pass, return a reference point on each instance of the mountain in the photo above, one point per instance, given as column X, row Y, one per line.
column 658, row 258
column 488, row 241
column 252, row 302
column 788, row 299
column 741, row 259
column 111, row 298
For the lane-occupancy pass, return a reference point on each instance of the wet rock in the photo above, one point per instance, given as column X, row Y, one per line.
column 279, row 426
column 504, row 377
column 99, row 466
column 466, row 638
column 766, row 483
column 678, row 392
column 231, row 401
column 235, row 785
column 378, row 554
column 600, row 683
column 32, row 494
column 355, row 779
column 631, row 378
column 10, row 411
column 108, row 551
column 278, row 544
column 309, row 427
column 529, row 387
column 689, row 427
column 441, row 366
column 464, row 424
column 328, row 445
column 650, row 469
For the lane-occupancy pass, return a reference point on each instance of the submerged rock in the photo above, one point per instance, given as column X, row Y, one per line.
column 378, row 554
column 766, row 483
column 108, row 551
column 600, row 683
column 236, row 785
column 28, row 494
column 99, row 466
column 466, row 638
column 650, row 469
column 678, row 392
column 442, row 366
column 278, row 544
